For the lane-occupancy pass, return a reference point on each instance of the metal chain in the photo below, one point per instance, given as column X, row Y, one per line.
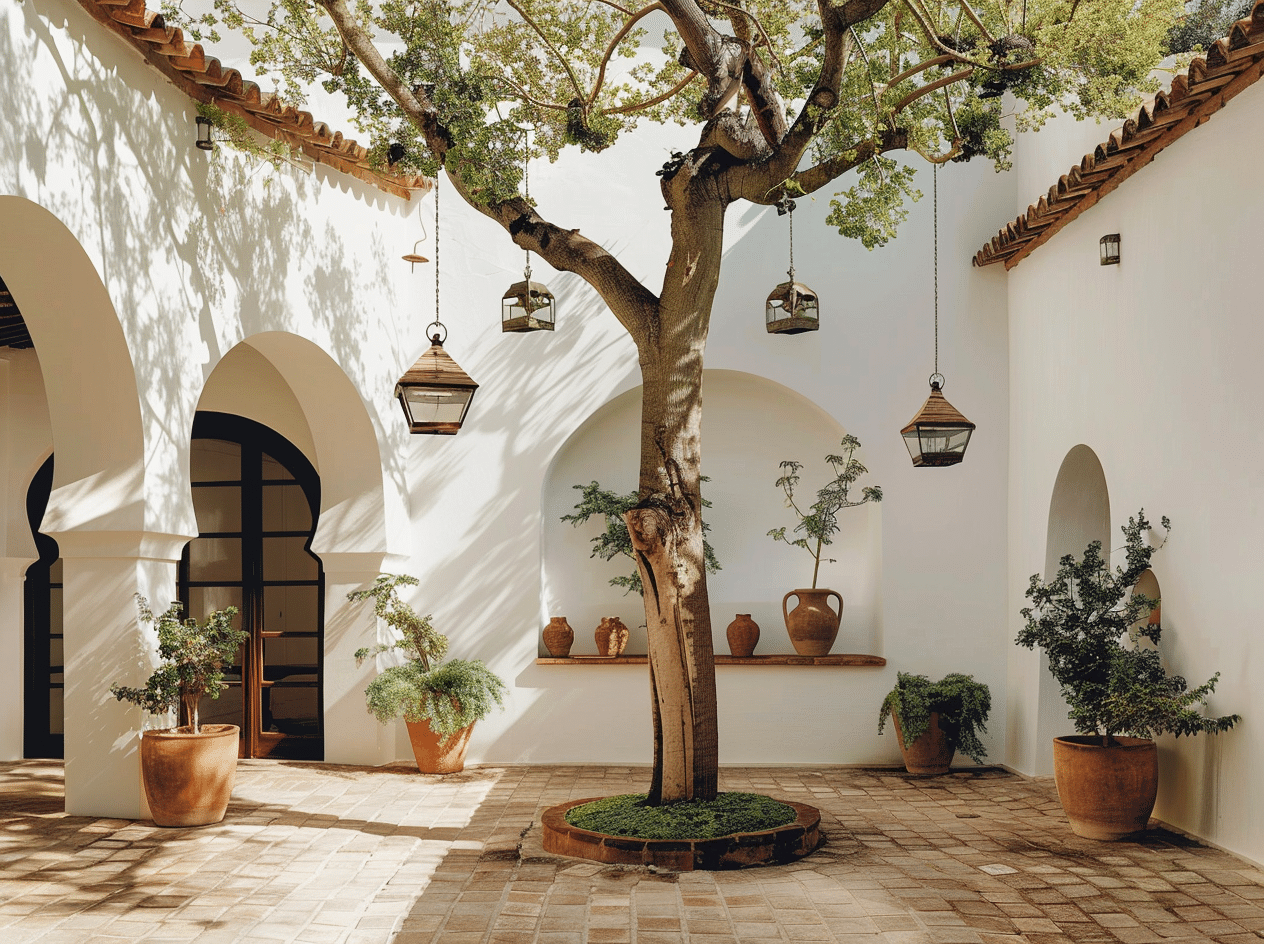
column 526, row 186
column 935, row 188
column 791, row 272
column 436, row 190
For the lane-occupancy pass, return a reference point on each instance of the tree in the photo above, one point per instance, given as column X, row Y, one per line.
column 779, row 97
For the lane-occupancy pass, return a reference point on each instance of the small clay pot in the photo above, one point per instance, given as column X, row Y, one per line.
column 558, row 637
column 611, row 636
column 743, row 635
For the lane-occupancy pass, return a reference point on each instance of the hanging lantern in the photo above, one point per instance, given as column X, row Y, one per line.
column 792, row 307
column 528, row 306
column 435, row 392
column 938, row 434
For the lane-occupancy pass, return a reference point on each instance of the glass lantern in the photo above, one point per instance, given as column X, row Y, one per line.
column 938, row 434
column 435, row 392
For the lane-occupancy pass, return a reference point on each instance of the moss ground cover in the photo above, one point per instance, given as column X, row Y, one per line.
column 728, row 813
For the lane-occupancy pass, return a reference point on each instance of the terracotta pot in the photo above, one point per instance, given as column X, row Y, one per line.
column 1106, row 792
column 743, row 635
column 931, row 753
column 812, row 624
column 434, row 757
column 611, row 636
column 558, row 637
column 188, row 777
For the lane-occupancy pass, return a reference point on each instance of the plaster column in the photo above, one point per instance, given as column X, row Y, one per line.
column 12, row 650
column 105, row 643
column 352, row 735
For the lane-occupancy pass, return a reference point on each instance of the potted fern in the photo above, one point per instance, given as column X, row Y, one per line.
column 188, row 770
column 439, row 701
column 813, row 624
column 933, row 720
column 1102, row 650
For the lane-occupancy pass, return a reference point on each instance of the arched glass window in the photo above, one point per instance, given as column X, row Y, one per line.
column 257, row 498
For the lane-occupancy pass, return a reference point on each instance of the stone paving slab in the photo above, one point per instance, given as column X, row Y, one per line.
column 325, row 854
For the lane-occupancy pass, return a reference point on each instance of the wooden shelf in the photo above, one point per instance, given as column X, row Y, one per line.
column 789, row 658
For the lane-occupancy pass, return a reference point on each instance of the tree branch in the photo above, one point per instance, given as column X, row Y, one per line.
column 817, row 176
column 526, row 18
column 614, row 44
column 932, row 87
column 631, row 302
column 637, row 106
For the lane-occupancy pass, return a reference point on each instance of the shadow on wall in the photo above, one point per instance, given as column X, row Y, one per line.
column 750, row 425
column 197, row 254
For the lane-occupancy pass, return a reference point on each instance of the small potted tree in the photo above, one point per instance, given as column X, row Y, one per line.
column 188, row 770
column 1103, row 653
column 813, row 624
column 439, row 701
column 933, row 720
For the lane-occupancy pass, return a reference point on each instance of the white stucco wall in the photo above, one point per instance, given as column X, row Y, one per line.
column 230, row 294
column 1152, row 364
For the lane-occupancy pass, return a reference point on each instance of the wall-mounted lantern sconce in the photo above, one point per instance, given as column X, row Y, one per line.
column 1109, row 246
column 204, row 140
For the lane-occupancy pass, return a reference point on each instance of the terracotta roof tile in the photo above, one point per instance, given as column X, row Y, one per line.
column 1230, row 65
column 203, row 79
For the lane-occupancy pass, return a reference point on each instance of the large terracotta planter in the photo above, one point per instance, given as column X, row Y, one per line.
column 189, row 777
column 812, row 624
column 1106, row 792
column 434, row 757
column 931, row 753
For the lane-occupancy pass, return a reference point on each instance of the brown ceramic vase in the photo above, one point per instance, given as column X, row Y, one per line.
column 611, row 636
column 743, row 636
column 1106, row 792
column 189, row 777
column 812, row 624
column 433, row 755
column 558, row 637
column 931, row 753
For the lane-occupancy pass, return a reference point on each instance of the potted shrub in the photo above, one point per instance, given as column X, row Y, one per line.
column 813, row 623
column 1094, row 629
column 188, row 770
column 933, row 720
column 439, row 701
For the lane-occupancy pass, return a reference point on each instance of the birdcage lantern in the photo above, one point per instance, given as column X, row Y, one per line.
column 528, row 306
column 792, row 307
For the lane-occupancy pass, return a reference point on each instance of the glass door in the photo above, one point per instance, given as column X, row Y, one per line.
column 44, row 664
column 257, row 498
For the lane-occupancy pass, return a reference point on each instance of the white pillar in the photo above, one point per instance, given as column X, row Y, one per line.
column 352, row 735
column 12, row 650
column 105, row 643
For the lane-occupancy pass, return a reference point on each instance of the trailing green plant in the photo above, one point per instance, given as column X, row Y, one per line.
column 1081, row 619
column 448, row 695
column 615, row 541
column 194, row 655
column 962, row 703
column 819, row 523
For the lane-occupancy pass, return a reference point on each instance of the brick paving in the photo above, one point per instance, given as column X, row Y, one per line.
column 342, row 855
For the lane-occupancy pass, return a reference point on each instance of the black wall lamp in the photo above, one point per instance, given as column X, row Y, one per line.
column 204, row 140
column 1109, row 248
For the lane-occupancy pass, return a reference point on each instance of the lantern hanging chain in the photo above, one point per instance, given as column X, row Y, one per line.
column 935, row 200
column 436, row 190
column 526, row 186
column 791, row 211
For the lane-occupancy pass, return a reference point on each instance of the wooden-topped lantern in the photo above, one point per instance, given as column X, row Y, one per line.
column 938, row 434
column 435, row 392
column 792, row 308
column 528, row 306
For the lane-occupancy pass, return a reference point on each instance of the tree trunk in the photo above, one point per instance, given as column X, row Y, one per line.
column 666, row 525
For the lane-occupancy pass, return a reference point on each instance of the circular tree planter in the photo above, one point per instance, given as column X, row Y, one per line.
column 739, row 850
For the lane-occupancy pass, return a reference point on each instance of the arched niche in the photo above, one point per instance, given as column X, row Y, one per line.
column 750, row 425
column 1079, row 513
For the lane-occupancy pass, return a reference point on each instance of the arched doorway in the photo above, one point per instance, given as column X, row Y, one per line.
column 44, row 649
column 257, row 500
